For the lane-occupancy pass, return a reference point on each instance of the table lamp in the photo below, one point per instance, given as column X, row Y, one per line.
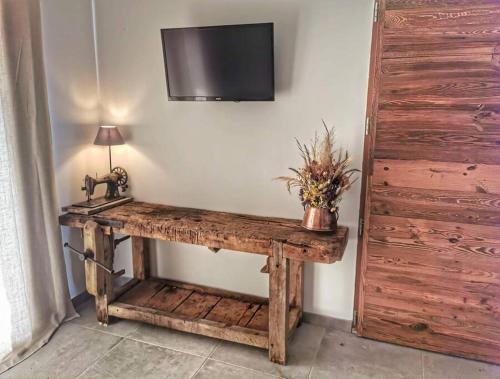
column 108, row 135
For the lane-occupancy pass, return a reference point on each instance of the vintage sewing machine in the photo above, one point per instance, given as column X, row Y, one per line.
column 115, row 181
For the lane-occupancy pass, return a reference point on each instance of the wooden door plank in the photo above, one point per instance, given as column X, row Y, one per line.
column 466, row 240
column 408, row 334
column 439, row 67
column 409, row 19
column 473, row 132
column 429, row 319
column 415, row 103
column 440, row 4
column 450, row 176
column 481, row 300
column 480, row 117
column 450, row 206
column 469, row 35
column 443, row 303
column 478, row 90
column 444, row 264
column 431, row 145
column 400, row 50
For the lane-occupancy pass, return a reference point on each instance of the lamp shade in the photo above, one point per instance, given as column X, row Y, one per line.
column 108, row 136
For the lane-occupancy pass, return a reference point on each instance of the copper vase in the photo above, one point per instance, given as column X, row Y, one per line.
column 319, row 220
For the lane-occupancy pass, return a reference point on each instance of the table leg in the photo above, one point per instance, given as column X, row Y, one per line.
column 140, row 257
column 297, row 286
column 279, row 277
column 99, row 282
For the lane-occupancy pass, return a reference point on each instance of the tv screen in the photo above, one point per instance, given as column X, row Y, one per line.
column 220, row 63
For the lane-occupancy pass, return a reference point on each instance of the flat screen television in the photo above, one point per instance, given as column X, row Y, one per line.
column 220, row 63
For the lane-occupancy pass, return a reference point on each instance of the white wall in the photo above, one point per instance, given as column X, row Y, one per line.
column 224, row 156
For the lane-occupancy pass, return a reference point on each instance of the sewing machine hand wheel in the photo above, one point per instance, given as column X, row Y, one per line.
column 123, row 177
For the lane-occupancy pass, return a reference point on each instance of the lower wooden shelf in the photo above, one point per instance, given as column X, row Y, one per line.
column 198, row 309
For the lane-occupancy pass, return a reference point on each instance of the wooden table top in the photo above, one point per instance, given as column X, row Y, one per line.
column 253, row 234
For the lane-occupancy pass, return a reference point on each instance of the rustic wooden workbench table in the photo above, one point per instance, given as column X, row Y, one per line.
column 247, row 319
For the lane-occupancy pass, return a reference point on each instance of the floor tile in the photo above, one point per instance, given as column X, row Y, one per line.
column 172, row 339
column 344, row 355
column 443, row 366
column 302, row 349
column 70, row 351
column 133, row 359
column 116, row 326
column 94, row 372
column 218, row 370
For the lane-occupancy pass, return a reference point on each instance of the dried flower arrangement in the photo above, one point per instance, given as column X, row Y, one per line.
column 325, row 175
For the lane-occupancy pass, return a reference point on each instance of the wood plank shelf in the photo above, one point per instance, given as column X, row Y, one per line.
column 201, row 310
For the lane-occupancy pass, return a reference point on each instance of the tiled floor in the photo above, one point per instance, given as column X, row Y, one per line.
column 83, row 349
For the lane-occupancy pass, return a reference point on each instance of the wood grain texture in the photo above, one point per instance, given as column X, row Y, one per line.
column 197, row 305
column 246, row 233
column 92, row 241
column 216, row 291
column 429, row 262
column 429, row 4
column 477, row 245
column 228, row 311
column 465, row 15
column 260, row 320
column 279, row 280
column 446, row 176
column 140, row 257
column 430, row 302
column 249, row 314
column 142, row 292
column 168, row 298
column 450, row 206
column 404, row 332
column 99, row 281
column 429, row 142
column 297, row 284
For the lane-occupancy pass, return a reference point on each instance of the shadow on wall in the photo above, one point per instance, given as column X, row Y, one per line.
column 286, row 25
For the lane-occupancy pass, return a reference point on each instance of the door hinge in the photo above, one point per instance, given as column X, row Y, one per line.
column 375, row 11
column 367, row 125
column 361, row 226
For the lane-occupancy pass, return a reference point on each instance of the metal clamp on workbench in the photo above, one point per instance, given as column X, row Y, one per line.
column 89, row 255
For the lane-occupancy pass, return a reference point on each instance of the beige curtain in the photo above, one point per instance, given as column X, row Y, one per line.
column 34, row 296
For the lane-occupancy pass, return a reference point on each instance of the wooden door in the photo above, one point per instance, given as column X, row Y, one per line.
column 429, row 250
